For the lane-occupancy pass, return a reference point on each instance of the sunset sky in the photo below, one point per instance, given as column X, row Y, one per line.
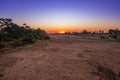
column 63, row 15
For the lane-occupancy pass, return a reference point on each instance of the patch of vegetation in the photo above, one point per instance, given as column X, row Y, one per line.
column 10, row 31
column 115, row 34
column 103, row 37
column 18, row 43
column 111, row 35
column 46, row 37
column 29, row 40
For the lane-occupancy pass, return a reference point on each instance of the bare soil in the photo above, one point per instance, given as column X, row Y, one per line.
column 63, row 57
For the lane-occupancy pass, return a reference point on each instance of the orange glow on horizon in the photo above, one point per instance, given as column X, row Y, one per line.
column 77, row 28
column 62, row 32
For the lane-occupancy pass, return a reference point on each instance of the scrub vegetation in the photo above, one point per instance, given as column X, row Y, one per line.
column 19, row 35
column 112, row 34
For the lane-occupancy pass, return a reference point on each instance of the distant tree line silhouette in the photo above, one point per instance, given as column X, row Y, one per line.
column 112, row 33
column 85, row 32
column 10, row 31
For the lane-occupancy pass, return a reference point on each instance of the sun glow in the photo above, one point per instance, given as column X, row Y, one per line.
column 62, row 32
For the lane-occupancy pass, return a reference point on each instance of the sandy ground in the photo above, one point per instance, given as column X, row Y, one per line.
column 63, row 58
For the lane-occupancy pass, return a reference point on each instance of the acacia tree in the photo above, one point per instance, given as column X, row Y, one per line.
column 5, row 22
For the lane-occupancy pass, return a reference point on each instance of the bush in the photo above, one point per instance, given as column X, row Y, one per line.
column 103, row 37
column 10, row 31
column 18, row 43
column 29, row 40
column 115, row 34
column 46, row 37
column 7, row 39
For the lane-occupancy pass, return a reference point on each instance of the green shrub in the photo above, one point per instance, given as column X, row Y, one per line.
column 46, row 37
column 4, row 37
column 115, row 34
column 29, row 40
column 18, row 43
column 7, row 39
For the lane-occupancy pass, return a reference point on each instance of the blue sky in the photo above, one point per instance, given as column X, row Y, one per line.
column 61, row 12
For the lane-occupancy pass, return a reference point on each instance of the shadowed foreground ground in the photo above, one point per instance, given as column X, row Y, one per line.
column 63, row 58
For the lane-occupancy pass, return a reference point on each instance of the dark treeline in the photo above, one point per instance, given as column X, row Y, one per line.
column 112, row 33
column 20, row 35
column 86, row 32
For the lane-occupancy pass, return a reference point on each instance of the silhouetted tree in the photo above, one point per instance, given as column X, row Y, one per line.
column 101, row 31
column 85, row 32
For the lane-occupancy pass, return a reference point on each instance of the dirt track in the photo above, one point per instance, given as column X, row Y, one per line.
column 63, row 58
